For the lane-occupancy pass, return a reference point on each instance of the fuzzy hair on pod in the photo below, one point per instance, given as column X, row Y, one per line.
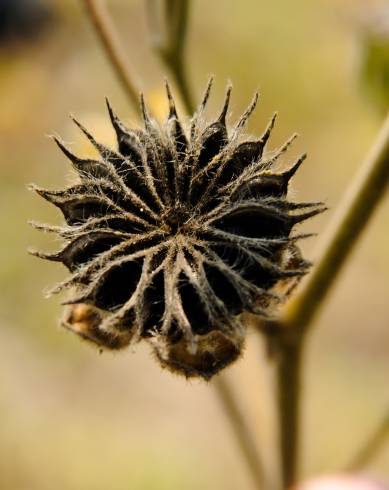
column 176, row 233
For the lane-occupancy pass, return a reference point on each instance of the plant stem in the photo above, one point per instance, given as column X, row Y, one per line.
column 288, row 370
column 168, row 31
column 353, row 215
column 373, row 445
column 106, row 32
column 242, row 433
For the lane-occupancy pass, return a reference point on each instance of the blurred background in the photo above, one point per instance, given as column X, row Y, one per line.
column 73, row 419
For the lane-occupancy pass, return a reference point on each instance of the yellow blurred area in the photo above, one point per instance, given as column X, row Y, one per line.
column 75, row 420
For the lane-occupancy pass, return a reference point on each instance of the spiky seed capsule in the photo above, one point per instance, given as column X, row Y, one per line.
column 174, row 235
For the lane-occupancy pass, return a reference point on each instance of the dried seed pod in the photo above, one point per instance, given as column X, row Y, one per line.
column 174, row 235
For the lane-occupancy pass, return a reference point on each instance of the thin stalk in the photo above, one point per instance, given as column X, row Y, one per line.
column 372, row 446
column 288, row 397
column 168, row 34
column 354, row 212
column 106, row 32
column 242, row 433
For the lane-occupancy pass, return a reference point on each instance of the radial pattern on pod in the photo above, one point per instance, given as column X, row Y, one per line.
column 176, row 233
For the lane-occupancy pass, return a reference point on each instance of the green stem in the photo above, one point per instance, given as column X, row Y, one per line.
column 289, row 364
column 353, row 215
column 168, row 32
column 110, row 41
column 242, row 433
column 354, row 212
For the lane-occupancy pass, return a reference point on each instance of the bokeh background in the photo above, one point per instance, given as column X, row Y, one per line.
column 75, row 420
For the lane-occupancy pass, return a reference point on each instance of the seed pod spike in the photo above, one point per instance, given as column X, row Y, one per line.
column 222, row 118
column 102, row 149
column 172, row 105
column 299, row 218
column 145, row 113
column 47, row 256
column 116, row 122
column 206, row 95
column 288, row 174
column 50, row 196
column 266, row 135
column 71, row 156
column 245, row 116
column 201, row 108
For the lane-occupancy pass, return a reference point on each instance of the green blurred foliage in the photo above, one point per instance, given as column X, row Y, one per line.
column 374, row 55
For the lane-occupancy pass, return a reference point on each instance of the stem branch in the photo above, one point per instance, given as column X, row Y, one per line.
column 110, row 41
column 168, row 33
column 242, row 433
column 353, row 215
column 289, row 379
